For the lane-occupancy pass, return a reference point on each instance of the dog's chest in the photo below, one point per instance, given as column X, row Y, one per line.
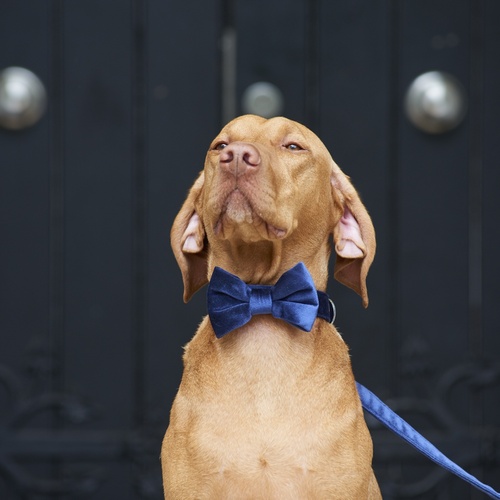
column 263, row 438
column 270, row 407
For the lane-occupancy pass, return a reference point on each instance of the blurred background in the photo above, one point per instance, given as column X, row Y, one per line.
column 107, row 108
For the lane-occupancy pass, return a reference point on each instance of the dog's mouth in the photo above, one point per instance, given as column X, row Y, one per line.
column 238, row 213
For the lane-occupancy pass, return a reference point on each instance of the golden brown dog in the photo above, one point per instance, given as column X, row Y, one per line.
column 269, row 411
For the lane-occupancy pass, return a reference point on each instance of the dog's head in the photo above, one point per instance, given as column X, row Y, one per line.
column 269, row 196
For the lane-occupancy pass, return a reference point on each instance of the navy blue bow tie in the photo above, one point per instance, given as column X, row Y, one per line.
column 294, row 298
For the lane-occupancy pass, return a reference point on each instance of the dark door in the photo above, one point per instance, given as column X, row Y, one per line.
column 92, row 321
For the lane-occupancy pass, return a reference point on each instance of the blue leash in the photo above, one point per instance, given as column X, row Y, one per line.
column 373, row 405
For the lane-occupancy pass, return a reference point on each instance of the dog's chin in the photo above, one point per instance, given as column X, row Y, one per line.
column 238, row 218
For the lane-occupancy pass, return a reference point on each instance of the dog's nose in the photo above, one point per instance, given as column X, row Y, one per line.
column 239, row 158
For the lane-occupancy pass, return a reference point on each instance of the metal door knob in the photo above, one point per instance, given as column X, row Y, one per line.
column 435, row 102
column 263, row 99
column 22, row 98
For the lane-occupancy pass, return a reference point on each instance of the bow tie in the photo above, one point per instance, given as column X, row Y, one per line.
column 294, row 299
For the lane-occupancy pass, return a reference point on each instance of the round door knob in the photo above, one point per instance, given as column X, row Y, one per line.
column 263, row 99
column 435, row 102
column 22, row 98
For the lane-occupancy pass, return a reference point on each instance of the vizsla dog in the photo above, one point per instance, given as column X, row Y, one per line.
column 269, row 411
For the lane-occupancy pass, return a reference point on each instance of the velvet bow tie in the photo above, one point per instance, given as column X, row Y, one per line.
column 294, row 299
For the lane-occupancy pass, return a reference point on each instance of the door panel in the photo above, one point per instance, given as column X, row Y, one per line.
column 355, row 121
column 88, row 199
column 272, row 48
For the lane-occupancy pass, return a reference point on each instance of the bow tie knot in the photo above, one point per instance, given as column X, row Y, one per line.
column 294, row 298
column 261, row 299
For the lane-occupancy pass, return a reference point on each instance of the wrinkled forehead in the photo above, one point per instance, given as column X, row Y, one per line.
column 251, row 128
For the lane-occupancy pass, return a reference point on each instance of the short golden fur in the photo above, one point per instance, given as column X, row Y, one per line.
column 269, row 411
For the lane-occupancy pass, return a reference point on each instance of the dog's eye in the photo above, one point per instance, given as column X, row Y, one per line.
column 293, row 146
column 220, row 146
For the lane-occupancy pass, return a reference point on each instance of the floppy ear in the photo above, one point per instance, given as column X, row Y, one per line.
column 353, row 235
column 188, row 241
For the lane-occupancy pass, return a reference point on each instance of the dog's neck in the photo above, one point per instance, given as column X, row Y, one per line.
column 264, row 262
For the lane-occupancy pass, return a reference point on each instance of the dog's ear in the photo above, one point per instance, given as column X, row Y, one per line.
column 188, row 241
column 353, row 235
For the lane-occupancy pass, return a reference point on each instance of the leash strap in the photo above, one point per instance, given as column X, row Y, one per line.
column 373, row 405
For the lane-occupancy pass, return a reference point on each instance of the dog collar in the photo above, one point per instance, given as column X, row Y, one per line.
column 294, row 299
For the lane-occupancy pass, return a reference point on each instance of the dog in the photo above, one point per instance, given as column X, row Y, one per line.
column 269, row 411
